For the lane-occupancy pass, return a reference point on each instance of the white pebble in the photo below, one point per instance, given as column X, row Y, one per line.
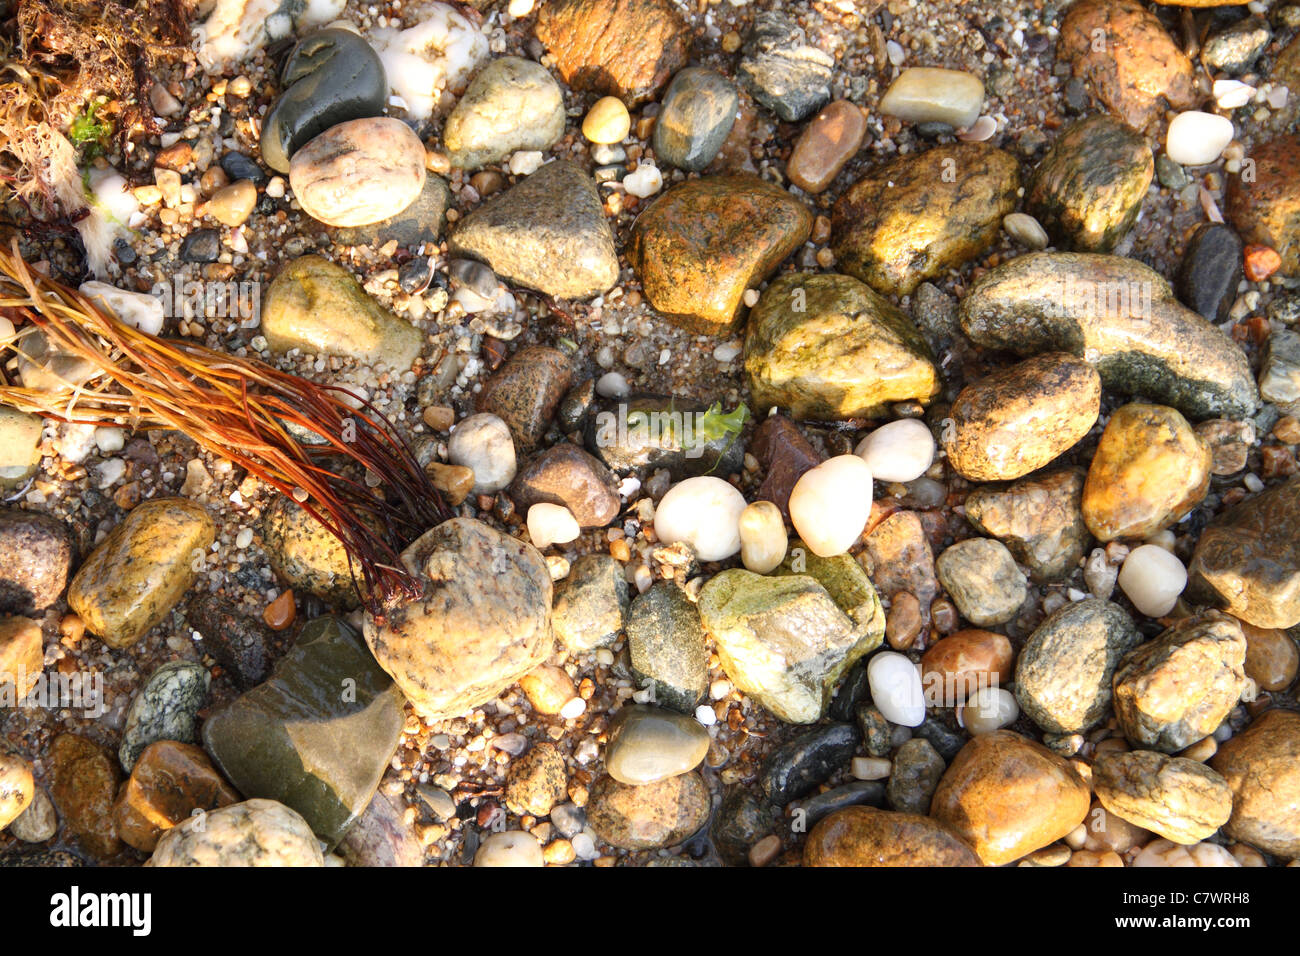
column 981, row 130
column 519, row 8
column 896, row 689
column 763, row 540
column 109, row 440
column 612, row 385
column 870, row 768
column 510, row 848
column 727, row 351
column 244, row 538
column 894, row 50
column 550, row 524
column 899, row 451
column 929, row 95
column 644, row 181
column 989, row 709
column 1231, row 94
column 110, row 472
column 483, row 444
column 575, row 708
column 1152, row 578
column 703, row 512
column 136, row 309
column 525, row 162
column 830, row 504
column 705, row 715
column 1198, row 139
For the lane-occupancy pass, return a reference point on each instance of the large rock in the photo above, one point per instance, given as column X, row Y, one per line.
column 698, row 247
column 318, row 308
column 1065, row 669
column 1180, row 799
column 358, row 172
column 169, row 783
column 623, row 48
column 547, row 232
column 1248, row 559
column 35, row 556
column 1038, row 518
column 1266, row 210
column 1262, row 766
column 317, row 735
column 866, row 836
column 253, row 833
column 917, row 216
column 649, row 816
column 511, row 104
column 782, row 640
column 1007, row 796
column 138, row 573
column 1120, row 316
column 827, row 347
column 1177, row 688
column 481, row 624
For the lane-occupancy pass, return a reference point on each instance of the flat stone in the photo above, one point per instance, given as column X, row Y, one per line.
column 865, row 836
column 915, row 217
column 1210, row 271
column 647, row 744
column 1247, row 560
column 1088, row 188
column 784, row 454
column 1038, row 518
column 899, row 558
column 981, row 577
column 381, row 837
column 318, row 735
column 253, row 833
column 1007, row 796
column 1262, row 766
column 1150, row 469
column 359, row 172
column 306, row 556
column 1177, row 688
column 525, row 392
column 1065, row 670
column 827, row 347
column 697, row 248
column 590, row 604
column 317, row 307
column 829, row 141
column 782, row 70
column 511, row 104
column 929, row 95
column 695, row 116
column 548, row 232
column 665, row 642
column 35, row 557
column 650, row 816
column 135, row 576
column 1122, row 318
column 166, row 708
column 797, row 767
column 169, row 782
column 83, row 781
column 1179, row 799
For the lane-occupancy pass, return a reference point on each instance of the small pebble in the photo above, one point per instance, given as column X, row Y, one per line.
column 704, row 512
column 607, row 121
column 1198, row 139
column 896, row 689
column 763, row 540
column 1152, row 578
column 898, row 451
column 550, row 524
column 830, row 504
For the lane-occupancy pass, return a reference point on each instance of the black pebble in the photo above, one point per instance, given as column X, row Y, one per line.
column 202, row 245
column 238, row 166
column 1210, row 271
column 123, row 251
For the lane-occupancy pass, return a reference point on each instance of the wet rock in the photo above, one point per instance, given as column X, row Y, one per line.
column 482, row 624
column 665, row 642
column 981, row 577
column 166, row 708
column 821, row 805
column 698, row 247
column 1248, row 559
column 1262, row 766
column 359, row 172
column 253, row 833
column 696, row 115
column 318, row 308
column 742, row 819
column 1038, row 518
column 1008, row 796
column 647, row 432
column 512, row 104
column 381, row 837
column 650, row 816
column 525, row 392
column 317, row 735
column 1122, row 318
column 547, row 232
column 827, row 347
column 916, row 217
column 1179, row 799
column 1065, row 670
column 946, row 740
column 864, row 836
column 623, row 48
column 915, row 776
column 136, row 575
column 83, row 781
column 536, row 782
column 306, row 556
column 1150, row 469
column 1266, row 211
column 329, row 77
column 235, row 640
column 1130, row 64
column 826, row 145
column 169, row 782
column 782, row 71
column 1279, row 378
column 648, row 744
column 590, row 604
column 1088, row 189
column 961, row 663
column 797, row 767
column 784, row 455
column 35, row 556
column 845, row 581
column 1177, row 688
column 1210, row 271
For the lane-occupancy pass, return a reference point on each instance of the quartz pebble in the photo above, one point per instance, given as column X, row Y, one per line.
column 607, row 121
column 1152, row 578
column 509, row 848
column 550, row 524
column 704, row 512
column 232, row 204
column 989, row 709
column 899, row 451
column 482, row 443
column 929, row 95
column 896, row 689
column 763, row 540
column 1198, row 139
column 830, row 504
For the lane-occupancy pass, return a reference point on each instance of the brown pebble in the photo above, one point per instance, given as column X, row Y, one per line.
column 1287, row 430
column 233, row 204
column 279, row 614
column 944, row 615
column 765, row 850
column 454, row 481
column 214, row 177
column 903, row 622
column 829, row 142
column 1271, row 657
column 71, row 629
column 487, row 181
column 177, row 156
column 439, row 417
column 1261, row 262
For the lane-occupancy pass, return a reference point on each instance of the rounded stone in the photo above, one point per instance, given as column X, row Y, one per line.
column 511, row 104
column 830, row 140
column 866, row 836
column 650, row 816
column 830, row 504
column 607, row 121
column 536, row 781
column 253, row 833
column 981, row 577
column 306, row 556
column 1262, row 766
column 510, row 848
column 898, row 451
column 647, row 744
column 962, row 662
column 695, row 116
column 483, row 444
column 1179, row 799
column 359, row 172
column 1271, row 657
column 703, row 512
column 17, row 788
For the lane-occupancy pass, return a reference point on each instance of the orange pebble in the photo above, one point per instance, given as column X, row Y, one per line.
column 1261, row 262
column 280, row 613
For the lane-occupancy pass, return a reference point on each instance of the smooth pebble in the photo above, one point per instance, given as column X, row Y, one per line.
column 704, row 512
column 763, row 541
column 1152, row 578
column 483, row 444
column 1198, row 139
column 898, row 451
column 550, row 524
column 896, row 689
column 830, row 504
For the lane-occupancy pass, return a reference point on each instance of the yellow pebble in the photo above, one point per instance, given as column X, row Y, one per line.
column 607, row 121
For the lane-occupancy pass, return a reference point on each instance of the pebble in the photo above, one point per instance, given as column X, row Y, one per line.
column 83, row 781
column 166, row 708
column 1152, row 579
column 606, row 123
column 915, row 775
column 646, row 817
column 865, row 836
column 17, row 789
column 253, row 833
column 666, row 647
column 1271, row 657
column 550, row 524
column 703, row 512
column 763, row 539
column 796, row 768
column 235, row 640
column 956, row 666
column 38, row 822
column 1026, row 230
column 566, row 475
column 989, row 709
column 1039, row 518
column 483, row 444
column 233, row 204
column 511, row 104
column 590, row 604
column 644, row 181
column 826, row 145
column 509, row 848
column 695, row 117
column 1210, row 270
column 830, row 504
column 929, row 95
column 981, row 577
column 201, row 246
column 548, row 688
column 782, row 70
column 647, row 744
column 902, row 450
column 1198, row 139
column 359, row 172
column 35, row 558
column 1262, row 768
column 896, row 689
column 1264, row 210
column 1166, row 853
column 305, row 555
column 536, row 782
column 1178, row 799
column 169, row 782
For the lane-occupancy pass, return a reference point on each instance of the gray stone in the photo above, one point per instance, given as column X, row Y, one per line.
column 665, row 641
column 797, row 767
column 420, row 222
column 1235, row 49
column 166, row 708
column 35, row 556
column 782, row 71
column 914, row 777
column 695, row 116
column 511, row 104
column 981, row 577
column 590, row 604
column 1279, row 379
